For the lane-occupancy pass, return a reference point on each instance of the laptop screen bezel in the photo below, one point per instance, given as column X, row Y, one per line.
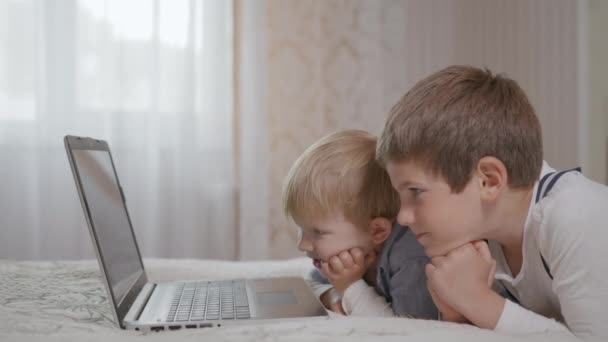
column 122, row 307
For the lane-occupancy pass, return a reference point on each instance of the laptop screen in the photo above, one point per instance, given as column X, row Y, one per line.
column 109, row 218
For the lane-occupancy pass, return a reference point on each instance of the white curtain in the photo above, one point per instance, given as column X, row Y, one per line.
column 155, row 79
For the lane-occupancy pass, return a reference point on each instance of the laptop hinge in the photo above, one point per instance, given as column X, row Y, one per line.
column 140, row 303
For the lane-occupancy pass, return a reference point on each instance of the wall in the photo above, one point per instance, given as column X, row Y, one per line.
column 597, row 138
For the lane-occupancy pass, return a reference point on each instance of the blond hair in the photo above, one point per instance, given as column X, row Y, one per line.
column 339, row 173
column 458, row 115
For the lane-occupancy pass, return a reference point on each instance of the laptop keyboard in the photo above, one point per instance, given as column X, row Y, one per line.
column 209, row 300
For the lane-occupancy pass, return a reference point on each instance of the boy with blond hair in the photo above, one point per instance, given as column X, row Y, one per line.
column 344, row 205
column 463, row 149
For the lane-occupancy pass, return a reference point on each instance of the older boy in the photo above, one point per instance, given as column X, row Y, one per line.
column 344, row 205
column 463, row 149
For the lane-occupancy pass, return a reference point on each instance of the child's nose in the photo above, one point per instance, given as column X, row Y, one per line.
column 304, row 244
column 405, row 217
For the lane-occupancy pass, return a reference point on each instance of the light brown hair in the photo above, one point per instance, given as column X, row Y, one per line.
column 458, row 115
column 340, row 174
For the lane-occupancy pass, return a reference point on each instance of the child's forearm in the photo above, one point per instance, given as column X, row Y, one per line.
column 485, row 310
column 454, row 318
column 332, row 301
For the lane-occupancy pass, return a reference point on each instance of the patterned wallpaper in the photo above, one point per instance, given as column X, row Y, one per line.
column 338, row 64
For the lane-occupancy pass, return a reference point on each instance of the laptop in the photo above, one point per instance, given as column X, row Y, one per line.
column 139, row 304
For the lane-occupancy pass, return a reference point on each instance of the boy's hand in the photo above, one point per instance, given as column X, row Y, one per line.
column 447, row 313
column 484, row 251
column 347, row 267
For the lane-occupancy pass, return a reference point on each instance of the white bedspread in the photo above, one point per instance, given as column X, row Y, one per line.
column 66, row 301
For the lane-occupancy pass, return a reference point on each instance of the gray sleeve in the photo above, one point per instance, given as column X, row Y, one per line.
column 408, row 290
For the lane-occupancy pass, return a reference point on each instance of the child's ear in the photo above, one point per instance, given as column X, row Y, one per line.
column 492, row 177
column 380, row 228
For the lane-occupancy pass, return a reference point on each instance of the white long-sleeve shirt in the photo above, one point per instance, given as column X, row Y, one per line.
column 359, row 298
column 569, row 227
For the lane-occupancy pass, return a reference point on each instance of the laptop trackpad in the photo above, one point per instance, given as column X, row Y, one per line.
column 276, row 298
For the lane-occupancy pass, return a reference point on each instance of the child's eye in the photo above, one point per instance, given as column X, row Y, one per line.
column 415, row 191
column 319, row 233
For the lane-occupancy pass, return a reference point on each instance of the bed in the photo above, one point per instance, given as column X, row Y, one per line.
column 66, row 301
